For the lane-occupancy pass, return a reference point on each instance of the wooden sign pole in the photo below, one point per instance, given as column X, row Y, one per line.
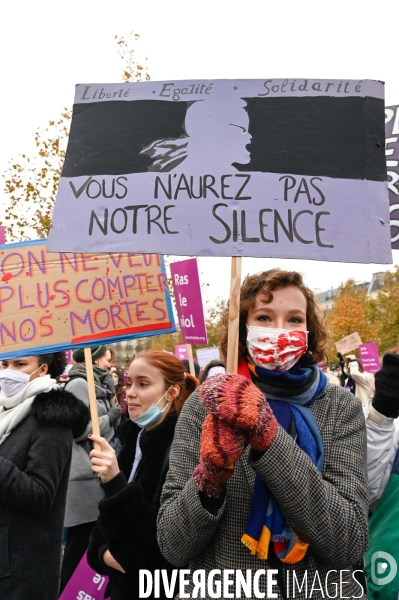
column 234, row 315
column 190, row 359
column 92, row 395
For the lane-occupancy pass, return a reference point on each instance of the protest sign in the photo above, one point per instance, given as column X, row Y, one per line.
column 181, row 352
column 187, row 291
column 348, row 343
column 262, row 168
column 56, row 301
column 85, row 583
column 392, row 154
column 369, row 357
column 205, row 355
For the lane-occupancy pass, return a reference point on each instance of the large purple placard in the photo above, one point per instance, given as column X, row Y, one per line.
column 188, row 300
column 392, row 154
column 289, row 168
column 369, row 357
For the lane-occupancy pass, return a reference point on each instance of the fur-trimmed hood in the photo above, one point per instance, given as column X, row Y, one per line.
column 58, row 407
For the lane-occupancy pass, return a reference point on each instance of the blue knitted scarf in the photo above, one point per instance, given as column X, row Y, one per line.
column 289, row 394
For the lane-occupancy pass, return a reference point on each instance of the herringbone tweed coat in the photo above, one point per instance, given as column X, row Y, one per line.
column 328, row 509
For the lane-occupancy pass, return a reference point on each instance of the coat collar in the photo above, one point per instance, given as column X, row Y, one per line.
column 58, row 407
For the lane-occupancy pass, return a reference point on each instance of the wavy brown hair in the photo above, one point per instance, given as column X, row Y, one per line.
column 173, row 373
column 265, row 283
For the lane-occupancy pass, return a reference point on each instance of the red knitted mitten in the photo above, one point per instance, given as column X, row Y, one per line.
column 236, row 400
column 262, row 435
column 220, row 444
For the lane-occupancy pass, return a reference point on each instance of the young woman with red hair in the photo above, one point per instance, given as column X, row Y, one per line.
column 124, row 539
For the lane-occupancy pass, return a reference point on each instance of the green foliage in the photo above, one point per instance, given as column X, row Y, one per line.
column 136, row 68
column 31, row 182
column 349, row 314
column 165, row 341
column 168, row 341
column 375, row 319
column 384, row 311
column 214, row 323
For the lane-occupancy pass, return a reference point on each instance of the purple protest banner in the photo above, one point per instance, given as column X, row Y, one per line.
column 181, row 352
column 262, row 168
column 369, row 357
column 188, row 299
column 392, row 157
column 85, row 583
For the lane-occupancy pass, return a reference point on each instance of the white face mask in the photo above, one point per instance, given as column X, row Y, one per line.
column 276, row 349
column 12, row 382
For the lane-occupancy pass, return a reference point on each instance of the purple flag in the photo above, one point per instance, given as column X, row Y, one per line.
column 188, row 299
column 250, row 167
column 369, row 357
column 181, row 352
column 85, row 583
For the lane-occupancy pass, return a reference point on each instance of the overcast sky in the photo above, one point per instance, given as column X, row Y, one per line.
column 48, row 47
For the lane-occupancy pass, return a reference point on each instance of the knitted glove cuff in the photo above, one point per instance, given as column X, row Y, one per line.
column 211, row 479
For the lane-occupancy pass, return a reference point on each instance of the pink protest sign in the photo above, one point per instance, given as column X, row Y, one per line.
column 85, row 583
column 187, row 290
column 181, row 352
column 369, row 357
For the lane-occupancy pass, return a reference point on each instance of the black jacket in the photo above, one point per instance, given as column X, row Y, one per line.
column 128, row 513
column 34, row 469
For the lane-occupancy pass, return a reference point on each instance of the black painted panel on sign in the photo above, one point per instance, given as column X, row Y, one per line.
column 320, row 136
column 106, row 138
column 326, row 136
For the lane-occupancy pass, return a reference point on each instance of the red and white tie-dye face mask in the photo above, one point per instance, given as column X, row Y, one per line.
column 276, row 349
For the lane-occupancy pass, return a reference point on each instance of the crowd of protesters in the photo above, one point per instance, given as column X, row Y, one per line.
column 280, row 466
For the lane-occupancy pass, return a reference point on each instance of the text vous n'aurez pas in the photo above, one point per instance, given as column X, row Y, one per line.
column 301, row 199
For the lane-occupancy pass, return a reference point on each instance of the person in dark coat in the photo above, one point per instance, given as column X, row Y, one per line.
column 214, row 367
column 124, row 540
column 84, row 492
column 37, row 425
column 120, row 391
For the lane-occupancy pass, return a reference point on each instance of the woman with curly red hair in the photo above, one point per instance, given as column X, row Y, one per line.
column 268, row 467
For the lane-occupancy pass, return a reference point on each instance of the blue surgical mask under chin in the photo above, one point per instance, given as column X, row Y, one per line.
column 151, row 415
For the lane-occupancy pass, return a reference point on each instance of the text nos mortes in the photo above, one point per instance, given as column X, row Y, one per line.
column 175, row 91
column 303, row 196
column 88, row 302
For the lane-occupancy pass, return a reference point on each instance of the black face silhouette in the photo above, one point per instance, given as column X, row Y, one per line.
column 321, row 136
